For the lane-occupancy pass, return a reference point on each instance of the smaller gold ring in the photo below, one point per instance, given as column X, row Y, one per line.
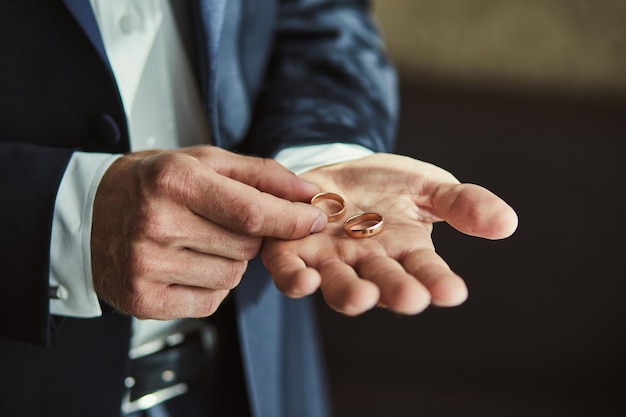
column 364, row 225
column 331, row 196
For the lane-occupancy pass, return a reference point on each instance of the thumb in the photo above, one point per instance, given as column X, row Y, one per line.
column 474, row 210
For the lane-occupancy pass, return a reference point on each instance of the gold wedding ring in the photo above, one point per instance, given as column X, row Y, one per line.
column 335, row 198
column 364, row 225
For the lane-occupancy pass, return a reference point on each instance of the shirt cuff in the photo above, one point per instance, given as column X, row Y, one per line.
column 70, row 246
column 300, row 159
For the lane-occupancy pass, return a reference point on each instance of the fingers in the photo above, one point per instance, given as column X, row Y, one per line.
column 177, row 228
column 291, row 275
column 147, row 272
column 407, row 288
column 240, row 207
column 344, row 291
column 445, row 287
column 399, row 290
column 176, row 301
column 474, row 210
column 237, row 205
column 244, row 209
column 187, row 267
column 261, row 173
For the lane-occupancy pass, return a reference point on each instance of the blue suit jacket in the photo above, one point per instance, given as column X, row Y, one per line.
column 283, row 74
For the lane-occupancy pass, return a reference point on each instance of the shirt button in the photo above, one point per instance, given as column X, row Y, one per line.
column 130, row 21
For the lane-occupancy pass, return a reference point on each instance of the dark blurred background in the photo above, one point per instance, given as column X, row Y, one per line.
column 527, row 98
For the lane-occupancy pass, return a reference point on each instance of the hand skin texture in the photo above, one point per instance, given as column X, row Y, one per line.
column 173, row 230
column 397, row 268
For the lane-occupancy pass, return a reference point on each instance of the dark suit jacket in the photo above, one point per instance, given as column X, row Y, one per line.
column 297, row 72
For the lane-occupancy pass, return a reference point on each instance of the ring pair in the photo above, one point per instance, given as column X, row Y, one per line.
column 357, row 226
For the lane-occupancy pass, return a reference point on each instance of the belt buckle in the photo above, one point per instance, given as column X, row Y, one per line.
column 154, row 398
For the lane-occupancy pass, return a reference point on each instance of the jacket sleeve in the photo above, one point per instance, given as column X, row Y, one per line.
column 29, row 179
column 57, row 96
column 329, row 80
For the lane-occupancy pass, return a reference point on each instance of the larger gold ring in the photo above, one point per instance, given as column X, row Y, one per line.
column 334, row 197
column 364, row 225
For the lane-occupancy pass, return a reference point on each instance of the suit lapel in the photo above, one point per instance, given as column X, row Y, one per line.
column 213, row 13
column 83, row 13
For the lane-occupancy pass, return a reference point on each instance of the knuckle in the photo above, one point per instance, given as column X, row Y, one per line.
column 252, row 220
column 167, row 173
column 157, row 225
column 298, row 226
column 143, row 304
column 239, row 268
column 250, row 248
column 232, row 274
column 210, row 304
column 139, row 265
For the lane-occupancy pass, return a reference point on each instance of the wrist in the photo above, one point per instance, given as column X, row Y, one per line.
column 300, row 159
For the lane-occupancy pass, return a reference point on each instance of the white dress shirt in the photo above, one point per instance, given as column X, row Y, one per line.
column 164, row 110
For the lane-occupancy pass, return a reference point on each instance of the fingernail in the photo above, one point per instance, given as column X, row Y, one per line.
column 319, row 224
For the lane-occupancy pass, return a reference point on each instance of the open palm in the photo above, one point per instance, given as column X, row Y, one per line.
column 399, row 267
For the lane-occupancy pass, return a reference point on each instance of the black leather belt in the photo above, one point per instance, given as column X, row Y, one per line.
column 165, row 372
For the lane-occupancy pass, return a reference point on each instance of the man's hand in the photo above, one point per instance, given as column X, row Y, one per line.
column 173, row 230
column 397, row 268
